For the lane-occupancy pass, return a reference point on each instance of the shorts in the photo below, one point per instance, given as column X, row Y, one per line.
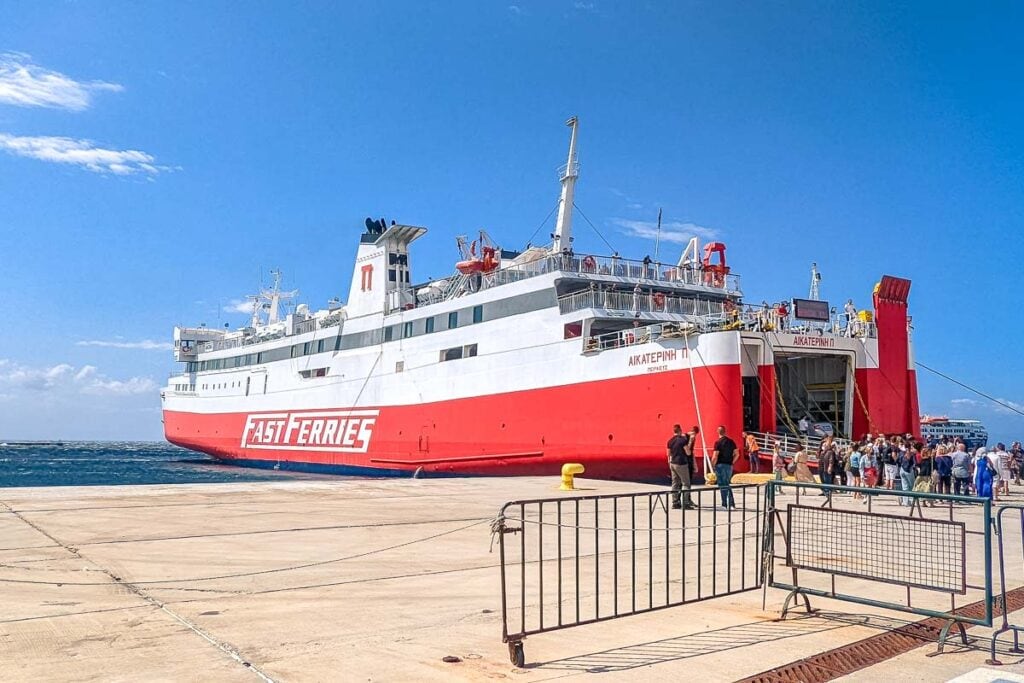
column 891, row 472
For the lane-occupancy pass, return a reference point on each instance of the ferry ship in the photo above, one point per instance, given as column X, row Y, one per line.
column 971, row 432
column 521, row 361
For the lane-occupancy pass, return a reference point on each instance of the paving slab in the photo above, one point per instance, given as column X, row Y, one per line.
column 329, row 580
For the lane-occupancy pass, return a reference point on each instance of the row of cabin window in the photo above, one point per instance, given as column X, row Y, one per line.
column 222, row 385
column 428, row 324
column 319, row 346
column 457, row 352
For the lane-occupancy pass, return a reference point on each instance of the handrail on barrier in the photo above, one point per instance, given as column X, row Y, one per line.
column 1006, row 626
column 586, row 559
column 915, row 552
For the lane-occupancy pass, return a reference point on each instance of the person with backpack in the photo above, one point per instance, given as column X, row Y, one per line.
column 853, row 466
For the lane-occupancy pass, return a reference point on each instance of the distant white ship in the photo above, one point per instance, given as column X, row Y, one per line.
column 971, row 432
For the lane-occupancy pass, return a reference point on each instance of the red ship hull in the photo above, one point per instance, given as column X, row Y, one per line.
column 616, row 428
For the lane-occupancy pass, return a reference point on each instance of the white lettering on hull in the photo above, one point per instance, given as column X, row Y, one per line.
column 819, row 342
column 335, row 431
column 653, row 357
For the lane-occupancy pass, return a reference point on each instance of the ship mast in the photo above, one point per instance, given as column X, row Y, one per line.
column 815, row 294
column 275, row 296
column 567, row 174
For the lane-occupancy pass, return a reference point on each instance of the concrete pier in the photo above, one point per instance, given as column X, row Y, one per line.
column 354, row 580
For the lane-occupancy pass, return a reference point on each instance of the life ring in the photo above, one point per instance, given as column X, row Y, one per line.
column 589, row 264
column 659, row 299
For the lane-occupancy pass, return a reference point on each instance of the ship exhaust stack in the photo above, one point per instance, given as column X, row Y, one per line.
column 567, row 174
column 890, row 395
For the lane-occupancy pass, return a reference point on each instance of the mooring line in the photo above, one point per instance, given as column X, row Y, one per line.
column 221, row 645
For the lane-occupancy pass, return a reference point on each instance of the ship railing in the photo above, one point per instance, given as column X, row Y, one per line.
column 612, row 266
column 631, row 337
column 789, row 444
column 640, row 303
column 615, row 266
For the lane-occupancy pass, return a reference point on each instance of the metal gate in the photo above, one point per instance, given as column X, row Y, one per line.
column 572, row 561
column 898, row 550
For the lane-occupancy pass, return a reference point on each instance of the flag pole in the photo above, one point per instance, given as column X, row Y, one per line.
column 657, row 239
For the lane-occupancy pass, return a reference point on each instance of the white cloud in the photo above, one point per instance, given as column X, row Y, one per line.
column 145, row 344
column 1010, row 407
column 65, row 380
column 25, row 84
column 964, row 402
column 82, row 153
column 238, row 306
column 671, row 231
column 515, row 9
column 128, row 387
column 583, row 6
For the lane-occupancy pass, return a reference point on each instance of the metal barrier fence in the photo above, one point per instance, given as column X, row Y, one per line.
column 590, row 559
column 880, row 536
column 1006, row 626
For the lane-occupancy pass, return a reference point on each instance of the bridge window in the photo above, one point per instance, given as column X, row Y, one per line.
column 453, row 320
column 478, row 314
column 407, row 330
column 430, row 325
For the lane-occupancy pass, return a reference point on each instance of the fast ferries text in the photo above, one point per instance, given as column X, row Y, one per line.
column 339, row 431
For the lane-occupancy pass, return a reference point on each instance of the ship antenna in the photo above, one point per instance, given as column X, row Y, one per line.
column 815, row 294
column 657, row 239
column 567, row 174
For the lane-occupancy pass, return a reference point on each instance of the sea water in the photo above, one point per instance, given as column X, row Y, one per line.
column 92, row 463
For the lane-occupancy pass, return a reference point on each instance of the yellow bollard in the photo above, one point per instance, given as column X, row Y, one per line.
column 570, row 470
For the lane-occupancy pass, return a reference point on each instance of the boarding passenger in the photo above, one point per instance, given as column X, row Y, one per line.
column 679, row 466
column 1002, row 462
column 984, row 474
column 888, row 455
column 725, row 450
column 778, row 465
column 943, row 470
column 853, row 469
column 908, row 474
column 753, row 452
column 924, row 482
column 961, row 470
column 802, row 472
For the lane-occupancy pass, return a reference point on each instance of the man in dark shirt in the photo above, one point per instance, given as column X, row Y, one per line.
column 725, row 450
column 679, row 465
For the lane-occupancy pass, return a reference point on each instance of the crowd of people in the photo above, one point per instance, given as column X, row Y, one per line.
column 902, row 463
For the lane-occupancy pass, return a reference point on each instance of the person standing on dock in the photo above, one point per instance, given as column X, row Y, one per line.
column 680, row 466
column 961, row 471
column 753, row 452
column 725, row 450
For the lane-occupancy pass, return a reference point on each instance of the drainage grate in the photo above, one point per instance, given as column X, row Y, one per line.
column 861, row 654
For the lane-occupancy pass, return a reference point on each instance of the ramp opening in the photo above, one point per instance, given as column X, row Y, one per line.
column 817, row 387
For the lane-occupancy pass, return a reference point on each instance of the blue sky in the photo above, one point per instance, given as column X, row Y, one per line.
column 154, row 159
